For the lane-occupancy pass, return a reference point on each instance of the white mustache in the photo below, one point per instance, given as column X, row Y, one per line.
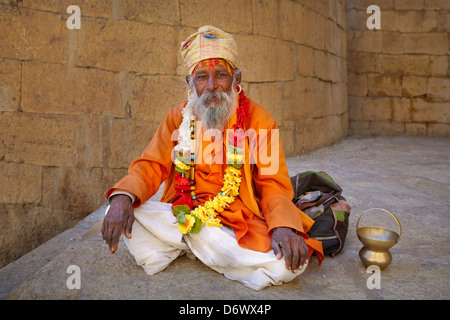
column 209, row 95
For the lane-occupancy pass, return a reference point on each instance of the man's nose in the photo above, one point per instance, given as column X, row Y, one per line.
column 211, row 84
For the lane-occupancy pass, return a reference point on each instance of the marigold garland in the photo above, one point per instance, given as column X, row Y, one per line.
column 190, row 219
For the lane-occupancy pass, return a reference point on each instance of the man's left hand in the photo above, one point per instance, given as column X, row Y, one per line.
column 288, row 243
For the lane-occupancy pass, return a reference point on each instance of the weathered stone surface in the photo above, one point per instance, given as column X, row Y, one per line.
column 305, row 61
column 153, row 11
column 361, row 62
column 266, row 59
column 154, row 96
column 406, row 64
column 358, row 128
column 73, row 189
column 425, row 111
column 401, row 109
column 393, row 42
column 411, row 63
column 376, row 108
column 99, row 8
column 30, row 35
column 356, row 19
column 31, row 226
column 426, row 43
column 416, row 129
column 265, row 18
column 287, row 129
column 323, row 65
column 231, row 15
column 341, row 13
column 48, row 141
column 364, row 4
column 438, row 130
column 411, row 20
column 357, row 84
column 9, row 84
column 304, row 95
column 21, row 183
column 387, row 128
column 339, row 98
column 408, row 4
column 365, row 41
column 414, row 86
column 80, row 90
column 304, row 132
column 124, row 141
column 329, row 67
column 436, row 4
column 270, row 96
column 370, row 108
column 439, row 65
column 439, row 89
column 296, row 19
column 130, row 46
column 336, row 40
column 384, row 85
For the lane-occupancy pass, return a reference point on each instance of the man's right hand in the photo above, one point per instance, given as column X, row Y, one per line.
column 120, row 217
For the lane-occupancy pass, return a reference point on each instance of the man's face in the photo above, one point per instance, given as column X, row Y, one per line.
column 212, row 93
column 209, row 80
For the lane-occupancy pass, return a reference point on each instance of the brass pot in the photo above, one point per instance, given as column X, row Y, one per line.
column 377, row 242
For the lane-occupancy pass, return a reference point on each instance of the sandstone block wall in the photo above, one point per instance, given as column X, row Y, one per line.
column 77, row 106
column 398, row 76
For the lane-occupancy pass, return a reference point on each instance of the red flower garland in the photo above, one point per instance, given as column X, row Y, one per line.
column 242, row 111
column 181, row 187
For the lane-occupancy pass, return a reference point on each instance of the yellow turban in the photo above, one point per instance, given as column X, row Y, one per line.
column 207, row 43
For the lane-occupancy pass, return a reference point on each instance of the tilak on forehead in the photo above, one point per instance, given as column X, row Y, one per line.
column 209, row 46
column 211, row 64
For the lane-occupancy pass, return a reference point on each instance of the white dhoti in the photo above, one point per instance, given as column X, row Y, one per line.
column 156, row 242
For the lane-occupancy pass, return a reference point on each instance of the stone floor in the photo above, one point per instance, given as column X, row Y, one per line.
column 407, row 176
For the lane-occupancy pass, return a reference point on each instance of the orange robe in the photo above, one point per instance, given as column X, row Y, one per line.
column 264, row 201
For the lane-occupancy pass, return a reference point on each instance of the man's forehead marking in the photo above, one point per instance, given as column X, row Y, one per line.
column 211, row 64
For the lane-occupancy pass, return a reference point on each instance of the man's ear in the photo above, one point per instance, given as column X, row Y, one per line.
column 188, row 80
column 237, row 76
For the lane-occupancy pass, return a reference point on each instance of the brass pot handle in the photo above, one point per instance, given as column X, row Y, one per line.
column 398, row 222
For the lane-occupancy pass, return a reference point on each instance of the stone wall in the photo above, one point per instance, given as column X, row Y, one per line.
column 77, row 106
column 398, row 76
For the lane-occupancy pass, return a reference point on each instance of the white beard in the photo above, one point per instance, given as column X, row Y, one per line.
column 214, row 115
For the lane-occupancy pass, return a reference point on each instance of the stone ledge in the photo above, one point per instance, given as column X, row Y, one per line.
column 30, row 263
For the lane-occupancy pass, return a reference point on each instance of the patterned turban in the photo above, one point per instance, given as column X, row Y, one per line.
column 208, row 43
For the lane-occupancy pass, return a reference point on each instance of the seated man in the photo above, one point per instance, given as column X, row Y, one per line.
column 222, row 200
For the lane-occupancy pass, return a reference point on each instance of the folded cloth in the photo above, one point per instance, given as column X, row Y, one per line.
column 208, row 43
column 309, row 197
column 156, row 242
